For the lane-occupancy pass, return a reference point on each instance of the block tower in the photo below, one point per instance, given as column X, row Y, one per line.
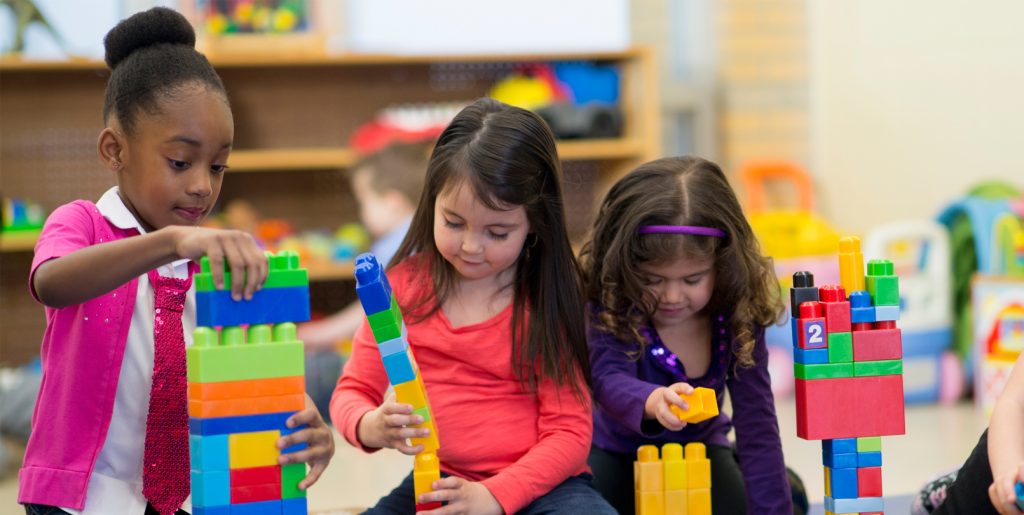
column 673, row 484
column 244, row 381
column 848, row 363
column 385, row 319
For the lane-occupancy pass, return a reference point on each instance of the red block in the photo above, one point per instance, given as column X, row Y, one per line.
column 869, row 482
column 877, row 345
column 255, row 493
column 849, row 407
column 810, row 327
column 837, row 309
column 427, row 506
column 256, row 476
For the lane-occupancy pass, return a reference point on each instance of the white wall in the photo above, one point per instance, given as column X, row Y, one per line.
column 913, row 101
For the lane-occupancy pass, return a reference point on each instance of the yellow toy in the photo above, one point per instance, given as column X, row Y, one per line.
column 673, row 484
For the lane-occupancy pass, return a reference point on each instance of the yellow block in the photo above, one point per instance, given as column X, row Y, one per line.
column 426, row 470
column 699, row 502
column 676, row 502
column 430, row 442
column 674, row 467
column 851, row 264
column 412, row 392
column 703, row 405
column 650, row 503
column 698, row 467
column 257, row 449
column 647, row 471
column 828, row 481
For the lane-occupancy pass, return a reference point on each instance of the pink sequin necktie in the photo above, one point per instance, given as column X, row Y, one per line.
column 165, row 473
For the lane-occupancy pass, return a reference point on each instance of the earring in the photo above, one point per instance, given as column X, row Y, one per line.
column 116, row 165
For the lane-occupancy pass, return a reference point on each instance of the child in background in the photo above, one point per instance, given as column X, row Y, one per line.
column 679, row 298
column 985, row 483
column 491, row 295
column 387, row 185
column 110, row 428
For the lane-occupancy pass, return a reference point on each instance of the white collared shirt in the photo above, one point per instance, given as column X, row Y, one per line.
column 115, row 485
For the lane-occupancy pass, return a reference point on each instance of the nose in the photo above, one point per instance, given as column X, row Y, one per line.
column 672, row 293
column 199, row 184
column 470, row 244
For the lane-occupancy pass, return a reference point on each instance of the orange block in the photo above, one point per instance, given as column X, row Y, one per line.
column 251, row 388
column 246, row 406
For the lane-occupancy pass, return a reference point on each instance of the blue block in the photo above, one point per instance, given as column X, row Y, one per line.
column 268, row 306
column 297, row 447
column 887, row 313
column 257, row 508
column 372, row 285
column 296, row 506
column 208, row 452
column 794, row 332
column 844, row 483
column 840, row 461
column 395, row 345
column 211, row 488
column 239, row 424
column 1019, row 489
column 869, row 459
column 861, row 310
column 839, row 446
column 810, row 356
column 399, row 367
column 211, row 510
column 857, row 505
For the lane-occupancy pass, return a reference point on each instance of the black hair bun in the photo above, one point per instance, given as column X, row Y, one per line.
column 155, row 26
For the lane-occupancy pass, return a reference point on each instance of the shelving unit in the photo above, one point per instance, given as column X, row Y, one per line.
column 293, row 118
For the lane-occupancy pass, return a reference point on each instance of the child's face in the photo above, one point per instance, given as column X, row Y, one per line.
column 481, row 243
column 380, row 212
column 682, row 287
column 174, row 163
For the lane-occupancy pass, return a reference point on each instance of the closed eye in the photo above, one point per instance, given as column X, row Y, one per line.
column 179, row 165
column 218, row 169
column 497, row 236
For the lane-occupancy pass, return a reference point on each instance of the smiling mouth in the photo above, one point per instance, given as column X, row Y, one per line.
column 192, row 213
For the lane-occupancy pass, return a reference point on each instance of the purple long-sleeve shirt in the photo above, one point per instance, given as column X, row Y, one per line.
column 622, row 383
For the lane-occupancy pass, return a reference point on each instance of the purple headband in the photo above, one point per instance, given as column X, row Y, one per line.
column 682, row 229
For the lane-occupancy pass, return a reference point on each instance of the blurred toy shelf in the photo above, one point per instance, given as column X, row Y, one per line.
column 18, row 242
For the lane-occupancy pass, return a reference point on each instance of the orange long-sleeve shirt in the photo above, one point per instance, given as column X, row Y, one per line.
column 520, row 445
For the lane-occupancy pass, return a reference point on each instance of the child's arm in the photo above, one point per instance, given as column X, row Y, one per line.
column 325, row 334
column 318, row 439
column 93, row 270
column 1006, row 441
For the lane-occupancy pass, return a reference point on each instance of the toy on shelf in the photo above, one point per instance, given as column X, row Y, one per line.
column 254, row 26
column 388, row 328
column 677, row 483
column 919, row 250
column 848, row 365
column 796, row 239
column 404, row 123
column 243, row 384
column 998, row 305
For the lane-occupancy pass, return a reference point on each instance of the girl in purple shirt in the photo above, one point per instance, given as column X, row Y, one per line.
column 679, row 297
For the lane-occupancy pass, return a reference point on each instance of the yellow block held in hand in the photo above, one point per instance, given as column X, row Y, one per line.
column 703, row 405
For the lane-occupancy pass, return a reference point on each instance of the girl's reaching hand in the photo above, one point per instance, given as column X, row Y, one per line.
column 247, row 261
column 318, row 439
column 659, row 405
column 1002, row 492
column 389, row 426
column 462, row 496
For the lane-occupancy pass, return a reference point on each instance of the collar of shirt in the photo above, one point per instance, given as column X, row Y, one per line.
column 113, row 208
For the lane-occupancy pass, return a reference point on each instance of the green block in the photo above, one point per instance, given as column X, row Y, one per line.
column 423, row 412
column 386, row 325
column 275, row 279
column 869, row 444
column 840, row 347
column 284, row 260
column 886, row 367
column 885, row 291
column 291, row 475
column 823, row 371
column 231, row 356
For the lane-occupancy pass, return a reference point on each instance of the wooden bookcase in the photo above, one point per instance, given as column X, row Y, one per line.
column 293, row 117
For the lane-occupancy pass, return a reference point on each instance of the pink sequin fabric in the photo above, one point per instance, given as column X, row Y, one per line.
column 165, row 476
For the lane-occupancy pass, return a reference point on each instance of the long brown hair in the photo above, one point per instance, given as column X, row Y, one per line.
column 677, row 191
column 508, row 156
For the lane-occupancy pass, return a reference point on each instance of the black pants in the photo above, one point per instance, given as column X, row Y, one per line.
column 968, row 495
column 41, row 509
column 613, row 477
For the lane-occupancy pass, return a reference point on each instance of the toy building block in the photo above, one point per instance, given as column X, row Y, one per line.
column 387, row 324
column 877, row 344
column 372, row 285
column 254, row 493
column 803, row 290
column 674, row 477
column 851, row 264
column 224, row 509
column 291, row 475
column 849, row 407
column 878, row 368
column 703, row 404
column 869, row 444
column 426, row 470
column 1019, row 489
column 861, row 310
column 648, row 481
column 294, row 506
column 809, row 329
column 267, row 306
column 840, row 347
column 810, row 356
column 882, row 284
column 858, row 505
column 242, row 424
column 229, row 357
column 887, row 313
column 412, row 393
column 208, row 452
column 247, row 406
column 267, row 387
column 400, row 367
column 823, row 371
column 844, row 483
column 836, row 307
column 253, row 449
column 210, row 487
column 698, row 479
column 869, row 459
column 257, row 508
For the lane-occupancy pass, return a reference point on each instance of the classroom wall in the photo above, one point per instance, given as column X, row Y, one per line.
column 911, row 102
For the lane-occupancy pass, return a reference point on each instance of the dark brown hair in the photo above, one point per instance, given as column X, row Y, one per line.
column 677, row 191
column 399, row 167
column 508, row 156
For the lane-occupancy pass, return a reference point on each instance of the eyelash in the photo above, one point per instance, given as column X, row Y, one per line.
column 185, row 165
column 689, row 282
column 492, row 235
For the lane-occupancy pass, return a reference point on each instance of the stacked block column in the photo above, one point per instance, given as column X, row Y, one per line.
column 674, row 484
column 244, row 381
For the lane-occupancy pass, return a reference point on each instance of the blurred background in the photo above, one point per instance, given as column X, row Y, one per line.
column 893, row 121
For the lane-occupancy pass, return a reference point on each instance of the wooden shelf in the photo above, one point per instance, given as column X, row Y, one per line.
column 18, row 242
column 330, row 271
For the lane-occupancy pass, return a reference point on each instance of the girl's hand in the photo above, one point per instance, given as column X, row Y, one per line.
column 658, row 405
column 462, row 496
column 386, row 426
column 1002, row 492
column 247, row 261
column 319, row 441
